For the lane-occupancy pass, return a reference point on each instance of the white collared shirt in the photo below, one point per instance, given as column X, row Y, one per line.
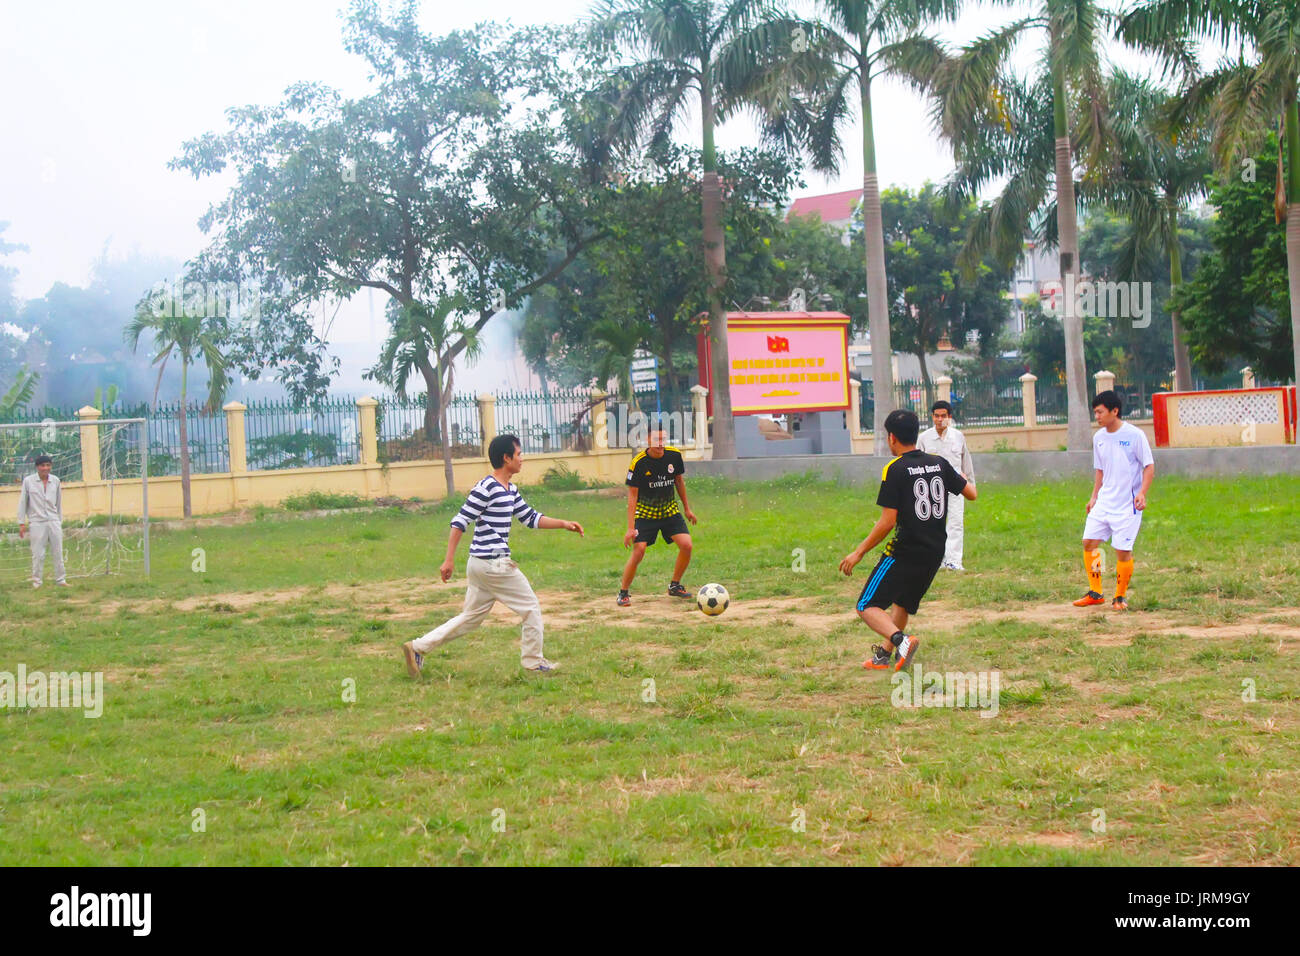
column 40, row 500
column 950, row 446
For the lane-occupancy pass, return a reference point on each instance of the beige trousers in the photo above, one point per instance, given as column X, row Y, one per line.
column 43, row 534
column 492, row 580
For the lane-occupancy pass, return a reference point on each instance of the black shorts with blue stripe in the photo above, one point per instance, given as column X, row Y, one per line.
column 898, row 582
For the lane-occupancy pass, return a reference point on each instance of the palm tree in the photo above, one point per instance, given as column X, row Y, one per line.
column 686, row 53
column 1241, row 96
column 418, row 341
column 855, row 42
column 1158, row 171
column 190, row 338
column 1001, row 127
column 619, row 341
column 18, row 394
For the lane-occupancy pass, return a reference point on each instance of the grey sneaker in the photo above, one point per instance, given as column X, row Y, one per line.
column 544, row 666
column 414, row 661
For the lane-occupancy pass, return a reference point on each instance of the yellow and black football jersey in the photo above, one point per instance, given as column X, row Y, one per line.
column 654, row 478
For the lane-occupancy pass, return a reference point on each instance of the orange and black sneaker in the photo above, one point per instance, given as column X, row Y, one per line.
column 624, row 598
column 675, row 589
column 906, row 650
column 879, row 659
column 1119, row 604
column 1089, row 599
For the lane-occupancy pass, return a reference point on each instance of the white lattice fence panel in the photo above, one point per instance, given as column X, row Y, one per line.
column 1262, row 408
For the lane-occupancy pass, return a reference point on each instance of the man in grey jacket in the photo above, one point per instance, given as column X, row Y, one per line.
column 41, row 504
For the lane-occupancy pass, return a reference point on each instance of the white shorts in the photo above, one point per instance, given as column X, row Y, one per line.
column 1120, row 530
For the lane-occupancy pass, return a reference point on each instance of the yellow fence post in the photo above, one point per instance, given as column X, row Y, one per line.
column 1029, row 398
column 89, row 443
column 487, row 419
column 1105, row 381
column 369, row 434
column 945, row 388
column 1247, row 377
column 855, row 408
column 700, row 408
column 236, row 436
column 599, row 419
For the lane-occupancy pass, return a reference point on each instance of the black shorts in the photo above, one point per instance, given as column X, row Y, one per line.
column 649, row 529
column 898, row 582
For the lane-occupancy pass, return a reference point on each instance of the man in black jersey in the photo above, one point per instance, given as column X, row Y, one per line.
column 655, row 479
column 913, row 498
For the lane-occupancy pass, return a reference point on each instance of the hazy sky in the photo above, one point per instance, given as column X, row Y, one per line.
column 99, row 96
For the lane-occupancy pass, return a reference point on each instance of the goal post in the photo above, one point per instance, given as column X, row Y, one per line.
column 103, row 468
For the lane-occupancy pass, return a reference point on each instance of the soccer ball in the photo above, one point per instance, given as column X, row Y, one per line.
column 712, row 599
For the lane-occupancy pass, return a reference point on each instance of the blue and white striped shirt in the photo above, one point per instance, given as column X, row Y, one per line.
column 490, row 506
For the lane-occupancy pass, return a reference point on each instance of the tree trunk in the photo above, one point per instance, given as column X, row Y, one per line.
column 432, row 399
column 1182, row 358
column 1293, row 228
column 925, row 379
column 882, row 368
column 185, row 444
column 1078, row 421
column 444, row 399
column 715, row 262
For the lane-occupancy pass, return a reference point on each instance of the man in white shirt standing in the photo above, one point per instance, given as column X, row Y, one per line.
column 1123, row 471
column 948, row 443
column 41, row 503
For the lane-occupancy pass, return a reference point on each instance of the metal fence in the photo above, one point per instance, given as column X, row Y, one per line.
column 310, row 436
column 557, row 420
column 400, row 425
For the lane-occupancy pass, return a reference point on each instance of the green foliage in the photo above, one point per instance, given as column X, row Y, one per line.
column 323, row 500
column 1236, row 307
column 293, row 450
column 560, row 477
column 930, row 295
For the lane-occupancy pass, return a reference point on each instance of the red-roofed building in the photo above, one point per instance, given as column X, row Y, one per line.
column 834, row 209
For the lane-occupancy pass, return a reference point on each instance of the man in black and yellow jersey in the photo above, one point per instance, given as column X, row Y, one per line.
column 913, row 498
column 655, row 479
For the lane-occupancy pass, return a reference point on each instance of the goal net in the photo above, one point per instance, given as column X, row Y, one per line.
column 103, row 470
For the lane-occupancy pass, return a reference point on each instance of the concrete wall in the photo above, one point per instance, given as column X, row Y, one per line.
column 1019, row 467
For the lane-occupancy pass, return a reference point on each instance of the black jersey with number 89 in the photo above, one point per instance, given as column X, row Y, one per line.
column 918, row 485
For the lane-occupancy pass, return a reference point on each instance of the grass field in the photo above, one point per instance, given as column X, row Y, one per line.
column 258, row 712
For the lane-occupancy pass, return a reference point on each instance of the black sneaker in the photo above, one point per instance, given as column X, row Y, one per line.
column 624, row 598
column 879, row 659
column 676, row 590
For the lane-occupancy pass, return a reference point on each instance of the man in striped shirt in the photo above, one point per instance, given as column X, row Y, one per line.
column 491, row 575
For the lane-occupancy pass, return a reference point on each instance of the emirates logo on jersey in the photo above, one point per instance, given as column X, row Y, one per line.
column 670, row 469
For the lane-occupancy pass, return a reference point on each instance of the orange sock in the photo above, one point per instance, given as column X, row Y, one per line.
column 1092, row 567
column 1123, row 574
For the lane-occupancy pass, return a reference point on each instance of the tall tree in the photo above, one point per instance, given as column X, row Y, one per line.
column 190, row 337
column 1235, row 305
column 1032, row 135
column 1158, row 171
column 456, row 174
column 418, row 338
column 829, row 79
column 712, row 56
column 930, row 295
column 1241, row 97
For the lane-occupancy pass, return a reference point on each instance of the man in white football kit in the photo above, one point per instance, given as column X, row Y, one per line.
column 1125, row 468
column 945, row 441
column 41, row 503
